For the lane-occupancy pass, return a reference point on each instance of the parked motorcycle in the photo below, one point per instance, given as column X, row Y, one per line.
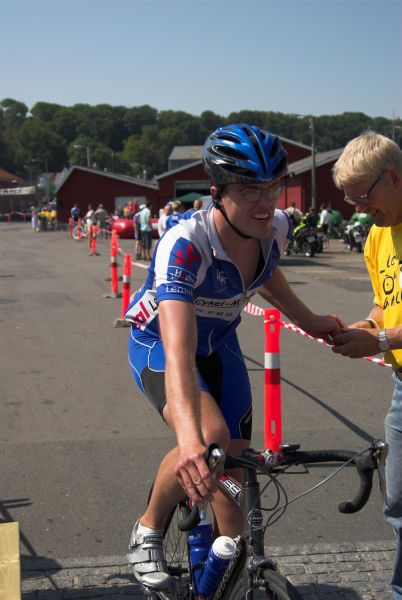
column 320, row 240
column 354, row 236
column 304, row 240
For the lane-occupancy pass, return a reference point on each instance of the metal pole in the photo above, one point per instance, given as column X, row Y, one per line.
column 88, row 157
column 313, row 175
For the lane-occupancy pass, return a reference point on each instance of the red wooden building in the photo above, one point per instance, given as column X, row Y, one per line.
column 298, row 186
column 85, row 186
column 90, row 186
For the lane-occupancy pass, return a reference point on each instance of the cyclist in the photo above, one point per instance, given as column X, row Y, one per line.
column 183, row 349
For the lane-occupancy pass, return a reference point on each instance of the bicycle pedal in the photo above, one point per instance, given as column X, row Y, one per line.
column 152, row 594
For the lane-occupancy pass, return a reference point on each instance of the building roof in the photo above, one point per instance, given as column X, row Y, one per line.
column 116, row 176
column 10, row 177
column 186, row 153
column 321, row 158
column 297, row 167
column 183, row 168
column 195, row 152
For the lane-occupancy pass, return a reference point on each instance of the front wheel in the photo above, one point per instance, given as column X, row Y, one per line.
column 271, row 586
column 307, row 249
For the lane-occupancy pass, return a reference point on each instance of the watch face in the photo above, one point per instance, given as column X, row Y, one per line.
column 383, row 345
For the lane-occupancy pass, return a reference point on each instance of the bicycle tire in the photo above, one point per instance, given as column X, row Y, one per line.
column 272, row 586
column 84, row 232
column 175, row 543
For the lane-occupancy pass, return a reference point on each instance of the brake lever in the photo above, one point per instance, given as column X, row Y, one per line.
column 380, row 452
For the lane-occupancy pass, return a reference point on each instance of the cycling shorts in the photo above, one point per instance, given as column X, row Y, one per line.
column 222, row 374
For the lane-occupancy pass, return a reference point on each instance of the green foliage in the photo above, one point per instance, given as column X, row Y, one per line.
column 139, row 138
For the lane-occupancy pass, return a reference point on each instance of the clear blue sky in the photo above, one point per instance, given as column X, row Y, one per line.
column 292, row 56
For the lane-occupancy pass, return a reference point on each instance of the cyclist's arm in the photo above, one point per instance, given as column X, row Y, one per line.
column 277, row 292
column 179, row 336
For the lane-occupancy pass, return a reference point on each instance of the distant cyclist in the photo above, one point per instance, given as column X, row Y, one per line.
column 183, row 348
column 197, row 205
column 176, row 214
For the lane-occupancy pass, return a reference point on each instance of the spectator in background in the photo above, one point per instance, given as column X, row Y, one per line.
column 75, row 213
column 34, row 218
column 145, row 221
column 137, row 233
column 197, row 205
column 101, row 216
column 312, row 217
column 294, row 214
column 175, row 217
column 166, row 212
column 89, row 216
column 324, row 223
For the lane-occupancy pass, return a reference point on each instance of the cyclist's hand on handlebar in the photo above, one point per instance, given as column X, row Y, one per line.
column 194, row 475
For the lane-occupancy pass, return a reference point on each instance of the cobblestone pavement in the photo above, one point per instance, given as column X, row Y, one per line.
column 321, row 571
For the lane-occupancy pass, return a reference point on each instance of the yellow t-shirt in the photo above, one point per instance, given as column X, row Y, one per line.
column 383, row 255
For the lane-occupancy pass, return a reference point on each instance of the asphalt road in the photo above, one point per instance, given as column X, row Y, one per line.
column 79, row 445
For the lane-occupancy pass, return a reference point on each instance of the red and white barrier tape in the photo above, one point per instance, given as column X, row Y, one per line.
column 251, row 309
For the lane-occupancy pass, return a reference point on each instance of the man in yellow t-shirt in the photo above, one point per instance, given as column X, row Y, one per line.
column 370, row 172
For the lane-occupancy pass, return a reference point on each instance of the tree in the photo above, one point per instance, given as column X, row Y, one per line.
column 14, row 113
column 144, row 152
column 45, row 111
column 37, row 142
column 138, row 116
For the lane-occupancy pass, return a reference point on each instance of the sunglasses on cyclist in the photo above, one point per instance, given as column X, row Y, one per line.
column 363, row 199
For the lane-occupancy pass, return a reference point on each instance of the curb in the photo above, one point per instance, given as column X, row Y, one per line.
column 349, row 571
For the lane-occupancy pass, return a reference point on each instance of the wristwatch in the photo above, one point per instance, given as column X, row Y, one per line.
column 383, row 342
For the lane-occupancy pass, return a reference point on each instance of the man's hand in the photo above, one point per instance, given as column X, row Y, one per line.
column 194, row 475
column 356, row 342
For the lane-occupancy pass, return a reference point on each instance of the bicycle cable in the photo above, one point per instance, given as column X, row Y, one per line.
column 312, row 489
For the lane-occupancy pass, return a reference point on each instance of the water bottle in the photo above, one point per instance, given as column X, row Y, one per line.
column 199, row 540
column 219, row 556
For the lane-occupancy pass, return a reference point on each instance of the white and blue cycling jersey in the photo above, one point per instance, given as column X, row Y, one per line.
column 189, row 264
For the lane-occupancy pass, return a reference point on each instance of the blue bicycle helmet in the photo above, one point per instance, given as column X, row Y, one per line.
column 243, row 154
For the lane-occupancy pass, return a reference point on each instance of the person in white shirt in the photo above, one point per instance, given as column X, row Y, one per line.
column 166, row 212
column 324, row 223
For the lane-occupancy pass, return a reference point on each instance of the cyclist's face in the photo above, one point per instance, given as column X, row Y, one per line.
column 251, row 208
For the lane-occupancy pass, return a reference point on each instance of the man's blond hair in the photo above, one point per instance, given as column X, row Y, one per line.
column 366, row 156
column 176, row 204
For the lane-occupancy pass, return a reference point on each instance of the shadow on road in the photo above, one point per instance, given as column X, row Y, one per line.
column 342, row 419
column 30, row 561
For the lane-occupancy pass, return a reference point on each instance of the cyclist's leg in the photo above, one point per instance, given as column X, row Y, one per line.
column 167, row 492
column 227, row 379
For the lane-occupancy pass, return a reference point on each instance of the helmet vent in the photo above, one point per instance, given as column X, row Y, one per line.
column 231, row 152
column 228, row 138
column 274, row 148
column 280, row 168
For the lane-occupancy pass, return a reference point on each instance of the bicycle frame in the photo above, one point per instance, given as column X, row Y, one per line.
column 250, row 560
column 250, row 545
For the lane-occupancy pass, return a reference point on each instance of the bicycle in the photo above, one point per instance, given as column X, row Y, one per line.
column 84, row 231
column 251, row 575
